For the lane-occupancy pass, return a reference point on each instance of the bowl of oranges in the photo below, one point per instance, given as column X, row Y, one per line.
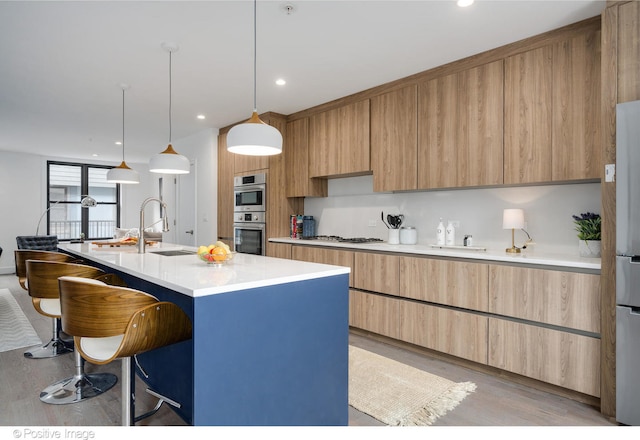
column 216, row 254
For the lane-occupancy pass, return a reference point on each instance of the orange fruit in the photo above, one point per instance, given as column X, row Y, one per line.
column 219, row 253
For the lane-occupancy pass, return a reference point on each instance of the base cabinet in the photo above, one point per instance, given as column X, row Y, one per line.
column 374, row 313
column 565, row 359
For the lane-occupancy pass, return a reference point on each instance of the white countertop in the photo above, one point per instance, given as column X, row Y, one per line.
column 527, row 257
column 191, row 276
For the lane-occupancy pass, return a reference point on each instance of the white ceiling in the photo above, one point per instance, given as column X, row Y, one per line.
column 61, row 62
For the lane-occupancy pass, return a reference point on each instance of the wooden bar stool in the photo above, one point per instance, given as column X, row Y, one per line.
column 56, row 346
column 110, row 322
column 42, row 279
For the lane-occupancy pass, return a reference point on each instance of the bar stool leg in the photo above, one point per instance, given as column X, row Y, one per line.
column 55, row 347
column 79, row 387
column 128, row 392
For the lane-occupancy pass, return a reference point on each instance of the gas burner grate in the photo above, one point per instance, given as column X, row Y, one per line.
column 343, row 239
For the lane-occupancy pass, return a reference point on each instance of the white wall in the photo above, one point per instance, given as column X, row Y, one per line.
column 23, row 183
column 352, row 205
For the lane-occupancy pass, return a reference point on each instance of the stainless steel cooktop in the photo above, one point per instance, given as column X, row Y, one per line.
column 339, row 239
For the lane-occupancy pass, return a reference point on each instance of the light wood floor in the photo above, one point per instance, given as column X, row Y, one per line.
column 496, row 402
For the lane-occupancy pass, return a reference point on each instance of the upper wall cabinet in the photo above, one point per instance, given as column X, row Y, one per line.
column 460, row 129
column 629, row 52
column 339, row 141
column 299, row 184
column 394, row 140
column 576, row 142
column 527, row 116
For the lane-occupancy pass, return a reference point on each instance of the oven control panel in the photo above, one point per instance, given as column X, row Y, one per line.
column 249, row 217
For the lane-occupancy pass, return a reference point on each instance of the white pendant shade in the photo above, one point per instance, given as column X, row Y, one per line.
column 254, row 138
column 169, row 162
column 122, row 174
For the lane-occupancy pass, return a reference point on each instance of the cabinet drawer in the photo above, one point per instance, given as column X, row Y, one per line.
column 564, row 359
column 454, row 283
column 565, row 299
column 453, row 332
column 325, row 256
column 374, row 313
column 377, row 273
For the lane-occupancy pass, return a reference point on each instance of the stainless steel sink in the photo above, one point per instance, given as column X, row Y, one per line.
column 174, row 253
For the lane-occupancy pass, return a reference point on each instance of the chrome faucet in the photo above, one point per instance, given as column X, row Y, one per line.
column 165, row 222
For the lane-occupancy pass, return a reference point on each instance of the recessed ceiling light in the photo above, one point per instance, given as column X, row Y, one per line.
column 464, row 3
column 118, row 143
column 95, row 155
column 280, row 82
column 200, row 117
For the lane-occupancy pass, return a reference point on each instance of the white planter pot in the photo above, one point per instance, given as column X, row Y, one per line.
column 589, row 248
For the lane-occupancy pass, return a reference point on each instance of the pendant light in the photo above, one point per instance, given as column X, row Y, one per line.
column 254, row 137
column 122, row 173
column 169, row 161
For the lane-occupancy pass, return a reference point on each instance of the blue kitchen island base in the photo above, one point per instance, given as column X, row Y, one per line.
column 269, row 356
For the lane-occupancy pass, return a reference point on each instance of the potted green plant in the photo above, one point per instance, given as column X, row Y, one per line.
column 588, row 226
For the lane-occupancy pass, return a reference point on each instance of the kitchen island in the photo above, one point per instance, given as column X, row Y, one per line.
column 270, row 336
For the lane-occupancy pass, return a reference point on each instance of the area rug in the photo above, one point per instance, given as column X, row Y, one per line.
column 15, row 329
column 397, row 394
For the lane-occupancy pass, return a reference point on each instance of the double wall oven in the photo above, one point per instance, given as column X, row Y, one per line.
column 249, row 214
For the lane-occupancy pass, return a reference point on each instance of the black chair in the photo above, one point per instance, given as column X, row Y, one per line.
column 38, row 242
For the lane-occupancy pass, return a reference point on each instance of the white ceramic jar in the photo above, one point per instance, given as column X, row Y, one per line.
column 408, row 235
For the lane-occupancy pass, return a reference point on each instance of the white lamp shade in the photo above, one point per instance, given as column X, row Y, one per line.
column 513, row 219
column 122, row 174
column 254, row 138
column 169, row 162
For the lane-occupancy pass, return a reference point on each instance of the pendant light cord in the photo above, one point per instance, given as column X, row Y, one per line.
column 255, row 56
column 123, row 124
column 169, row 96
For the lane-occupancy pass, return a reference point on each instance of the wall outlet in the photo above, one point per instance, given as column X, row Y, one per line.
column 373, row 223
column 455, row 223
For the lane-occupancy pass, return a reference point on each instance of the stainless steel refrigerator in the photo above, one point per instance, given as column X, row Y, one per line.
column 628, row 263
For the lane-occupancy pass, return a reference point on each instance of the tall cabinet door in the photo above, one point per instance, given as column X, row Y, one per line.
column 225, row 189
column 394, row 140
column 527, row 116
column 460, row 129
column 576, row 102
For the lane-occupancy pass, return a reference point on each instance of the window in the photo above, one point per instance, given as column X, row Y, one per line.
column 68, row 184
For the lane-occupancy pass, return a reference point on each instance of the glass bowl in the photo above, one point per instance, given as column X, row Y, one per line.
column 209, row 259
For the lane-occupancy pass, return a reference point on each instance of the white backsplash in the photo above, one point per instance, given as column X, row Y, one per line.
column 352, row 206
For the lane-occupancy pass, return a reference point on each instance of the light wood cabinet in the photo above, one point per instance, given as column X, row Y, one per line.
column 374, row 313
column 453, row 283
column 565, row 299
column 377, row 272
column 394, row 140
column 225, row 190
column 454, row 332
column 576, row 150
column 298, row 183
column 628, row 51
column 326, row 256
column 565, row 359
column 279, row 207
column 460, row 129
column 527, row 116
column 339, row 141
column 280, row 250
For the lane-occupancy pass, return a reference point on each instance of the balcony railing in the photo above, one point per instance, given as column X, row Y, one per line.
column 71, row 229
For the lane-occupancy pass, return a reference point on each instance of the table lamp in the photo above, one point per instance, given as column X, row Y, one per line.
column 513, row 219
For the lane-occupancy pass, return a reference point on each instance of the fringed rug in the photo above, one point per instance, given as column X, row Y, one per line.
column 397, row 394
column 15, row 329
